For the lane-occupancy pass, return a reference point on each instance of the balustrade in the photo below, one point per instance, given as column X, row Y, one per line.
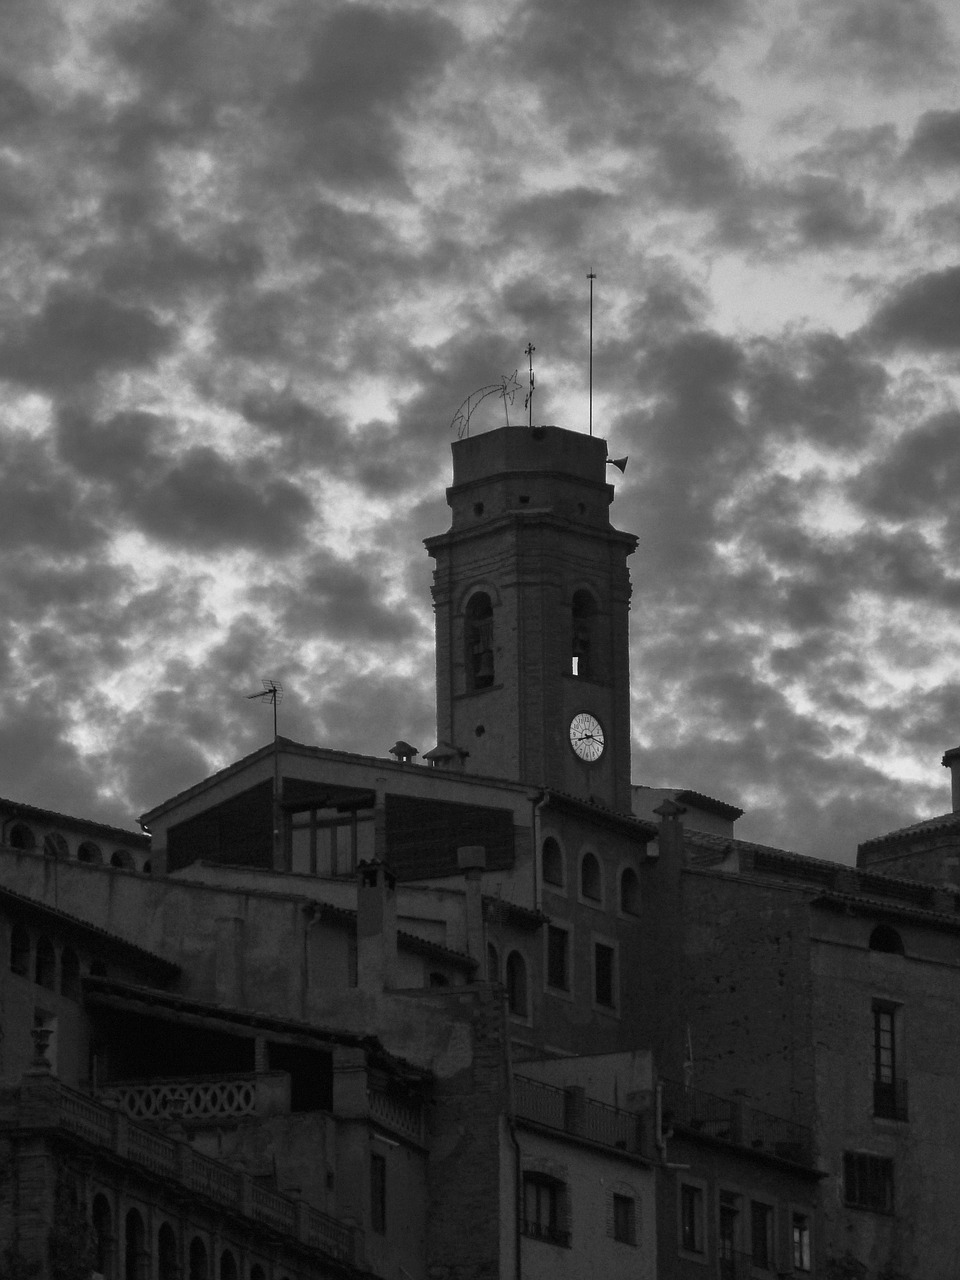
column 571, row 1111
column 396, row 1113
column 735, row 1122
column 212, row 1098
column 97, row 1123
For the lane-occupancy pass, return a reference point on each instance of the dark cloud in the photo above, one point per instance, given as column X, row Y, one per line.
column 830, row 213
column 366, row 67
column 818, row 387
column 890, row 43
column 561, row 219
column 192, row 497
column 918, row 476
column 77, row 335
column 340, row 600
column 922, row 313
column 42, row 509
column 936, row 140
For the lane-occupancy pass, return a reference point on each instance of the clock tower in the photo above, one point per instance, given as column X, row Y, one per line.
column 532, row 595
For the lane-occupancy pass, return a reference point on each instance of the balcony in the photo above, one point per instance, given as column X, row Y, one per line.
column 732, row 1121
column 201, row 1099
column 570, row 1111
column 734, row 1265
column 890, row 1100
column 45, row 1103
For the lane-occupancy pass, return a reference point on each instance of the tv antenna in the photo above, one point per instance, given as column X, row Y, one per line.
column 272, row 691
column 591, row 277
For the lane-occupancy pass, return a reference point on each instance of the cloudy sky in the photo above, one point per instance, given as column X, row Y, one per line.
column 254, row 254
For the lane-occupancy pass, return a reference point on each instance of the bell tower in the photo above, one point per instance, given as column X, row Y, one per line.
column 532, row 595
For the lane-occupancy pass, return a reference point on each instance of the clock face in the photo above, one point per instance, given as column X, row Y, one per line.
column 586, row 736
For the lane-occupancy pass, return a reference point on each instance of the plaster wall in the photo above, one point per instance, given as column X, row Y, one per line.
column 590, row 1178
column 925, row 1148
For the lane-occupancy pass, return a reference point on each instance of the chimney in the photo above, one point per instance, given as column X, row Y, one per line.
column 951, row 761
column 671, row 831
column 472, row 861
column 376, row 925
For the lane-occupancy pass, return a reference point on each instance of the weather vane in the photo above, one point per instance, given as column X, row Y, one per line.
column 272, row 691
column 506, row 388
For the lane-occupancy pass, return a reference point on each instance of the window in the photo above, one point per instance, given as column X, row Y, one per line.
column 167, row 1263
column 45, row 964
column 22, row 837
column 801, row 1241
column 728, row 1233
column 543, row 1209
column 120, row 858
column 516, row 975
column 624, row 1219
column 552, row 863
column 478, row 635
column 20, row 951
column 493, row 963
column 69, row 974
column 889, row 1088
column 90, row 852
column 378, row 1193
column 198, row 1269
column 691, row 1218
column 886, row 938
column 135, row 1255
column 629, row 892
column 603, row 975
column 102, row 1238
column 558, row 958
column 868, row 1181
column 591, row 886
column 583, row 646
column 228, row 1266
column 761, row 1235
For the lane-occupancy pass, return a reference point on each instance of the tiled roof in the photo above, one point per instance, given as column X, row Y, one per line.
column 23, row 903
column 18, row 809
column 945, row 822
column 177, row 1003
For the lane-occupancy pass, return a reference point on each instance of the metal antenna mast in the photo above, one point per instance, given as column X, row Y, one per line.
column 591, row 277
column 272, row 692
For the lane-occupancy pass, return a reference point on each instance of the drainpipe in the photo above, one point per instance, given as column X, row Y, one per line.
column 538, row 808
column 512, row 1128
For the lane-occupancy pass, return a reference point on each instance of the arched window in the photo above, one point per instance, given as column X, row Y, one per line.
column 198, row 1260
column 257, row 1272
column 69, row 974
column 886, row 938
column 591, row 886
column 493, row 963
column 629, row 892
column 134, row 1248
column 435, row 979
column 90, row 852
column 228, row 1266
column 121, row 859
column 102, row 1237
column 146, row 868
column 552, row 862
column 54, row 845
column 583, row 636
column 22, row 837
column 478, row 637
column 45, row 964
column 516, row 976
column 97, row 968
column 168, row 1265
column 20, row 951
